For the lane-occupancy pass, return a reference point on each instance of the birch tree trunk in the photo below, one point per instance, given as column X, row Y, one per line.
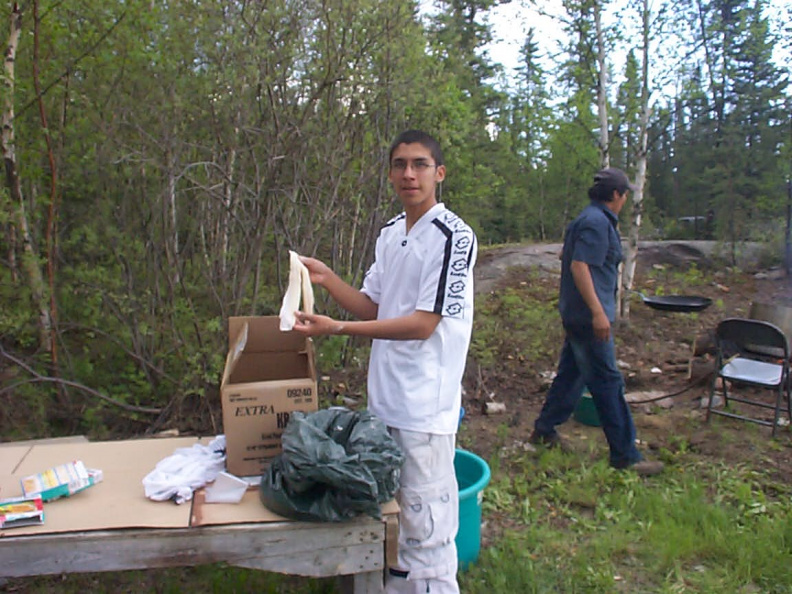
column 170, row 220
column 29, row 257
column 11, row 238
column 52, row 217
column 631, row 257
column 227, row 212
column 602, row 98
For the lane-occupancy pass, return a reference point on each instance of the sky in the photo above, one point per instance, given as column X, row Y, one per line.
column 512, row 21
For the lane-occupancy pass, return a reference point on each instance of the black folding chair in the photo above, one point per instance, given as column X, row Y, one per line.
column 754, row 353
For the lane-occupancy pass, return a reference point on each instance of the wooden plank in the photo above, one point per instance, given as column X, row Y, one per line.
column 296, row 548
column 321, row 562
column 362, row 583
column 391, row 540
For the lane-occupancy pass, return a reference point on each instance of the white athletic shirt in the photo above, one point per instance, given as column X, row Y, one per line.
column 417, row 384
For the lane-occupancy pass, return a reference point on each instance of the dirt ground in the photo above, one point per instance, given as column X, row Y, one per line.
column 654, row 350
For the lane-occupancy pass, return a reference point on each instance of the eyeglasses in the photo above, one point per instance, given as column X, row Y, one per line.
column 419, row 165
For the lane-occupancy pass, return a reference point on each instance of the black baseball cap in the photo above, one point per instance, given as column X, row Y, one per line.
column 613, row 178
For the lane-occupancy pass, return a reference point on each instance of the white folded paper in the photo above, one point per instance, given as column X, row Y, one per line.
column 226, row 488
column 299, row 287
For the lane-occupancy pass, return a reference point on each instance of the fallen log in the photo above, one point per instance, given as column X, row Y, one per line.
column 704, row 344
column 699, row 368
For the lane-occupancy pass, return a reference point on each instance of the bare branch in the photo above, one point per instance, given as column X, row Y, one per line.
column 38, row 378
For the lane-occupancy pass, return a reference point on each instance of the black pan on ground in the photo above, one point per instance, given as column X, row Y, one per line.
column 678, row 303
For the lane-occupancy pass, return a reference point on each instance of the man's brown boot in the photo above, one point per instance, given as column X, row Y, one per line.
column 647, row 467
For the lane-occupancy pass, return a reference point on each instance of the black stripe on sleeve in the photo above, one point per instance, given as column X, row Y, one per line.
column 473, row 249
column 441, row 285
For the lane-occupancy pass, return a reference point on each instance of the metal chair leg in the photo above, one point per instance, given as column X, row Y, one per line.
column 779, row 397
column 711, row 398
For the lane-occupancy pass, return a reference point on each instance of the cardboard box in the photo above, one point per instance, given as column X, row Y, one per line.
column 268, row 375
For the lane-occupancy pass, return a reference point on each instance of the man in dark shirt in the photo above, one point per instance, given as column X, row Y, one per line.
column 589, row 277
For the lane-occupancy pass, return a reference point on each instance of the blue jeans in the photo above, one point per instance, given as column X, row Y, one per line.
column 587, row 361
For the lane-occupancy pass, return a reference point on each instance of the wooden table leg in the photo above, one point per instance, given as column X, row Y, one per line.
column 369, row 582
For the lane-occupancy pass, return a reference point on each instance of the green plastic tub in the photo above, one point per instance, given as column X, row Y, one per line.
column 585, row 411
column 472, row 474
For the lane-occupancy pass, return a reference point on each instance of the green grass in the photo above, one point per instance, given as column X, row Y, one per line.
column 215, row 579
column 584, row 527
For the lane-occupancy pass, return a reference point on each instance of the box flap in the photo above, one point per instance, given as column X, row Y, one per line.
column 264, row 334
column 237, row 346
column 266, row 367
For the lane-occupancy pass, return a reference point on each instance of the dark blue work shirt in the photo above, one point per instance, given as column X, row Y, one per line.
column 591, row 238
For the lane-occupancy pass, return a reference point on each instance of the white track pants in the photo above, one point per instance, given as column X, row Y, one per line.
column 429, row 516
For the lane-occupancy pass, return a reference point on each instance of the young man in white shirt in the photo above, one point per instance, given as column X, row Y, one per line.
column 416, row 304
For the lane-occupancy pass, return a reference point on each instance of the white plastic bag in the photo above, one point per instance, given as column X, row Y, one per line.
column 187, row 469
